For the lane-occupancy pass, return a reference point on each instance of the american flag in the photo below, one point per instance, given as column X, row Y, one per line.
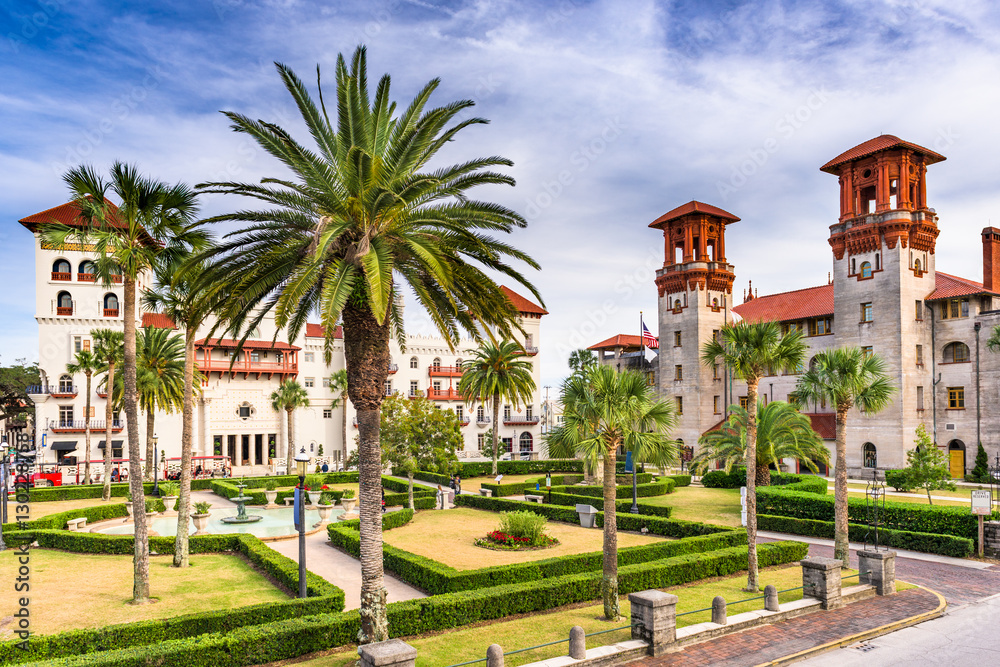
column 648, row 339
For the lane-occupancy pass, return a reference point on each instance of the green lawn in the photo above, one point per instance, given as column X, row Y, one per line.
column 963, row 492
column 696, row 503
column 473, row 484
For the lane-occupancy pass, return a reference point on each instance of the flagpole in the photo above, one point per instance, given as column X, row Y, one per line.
column 642, row 358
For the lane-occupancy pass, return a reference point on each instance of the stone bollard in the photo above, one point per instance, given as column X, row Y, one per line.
column 577, row 643
column 878, row 568
column 390, row 653
column 494, row 656
column 719, row 610
column 821, row 580
column 770, row 598
column 654, row 619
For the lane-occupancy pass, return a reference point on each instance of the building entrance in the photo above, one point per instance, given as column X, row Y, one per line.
column 956, row 459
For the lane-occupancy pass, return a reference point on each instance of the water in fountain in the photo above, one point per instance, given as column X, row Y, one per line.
column 241, row 510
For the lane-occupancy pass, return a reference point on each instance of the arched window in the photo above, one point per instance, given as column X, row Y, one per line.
column 85, row 273
column 110, row 305
column 65, row 384
column 480, row 414
column 64, row 304
column 413, row 362
column 436, row 364
column 677, row 304
column 715, row 302
column 812, row 364
column 62, row 270
column 458, row 364
column 525, row 442
column 869, row 455
column 866, row 269
column 956, row 353
column 916, row 265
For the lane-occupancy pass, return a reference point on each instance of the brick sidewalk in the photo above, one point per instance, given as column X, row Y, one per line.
column 770, row 642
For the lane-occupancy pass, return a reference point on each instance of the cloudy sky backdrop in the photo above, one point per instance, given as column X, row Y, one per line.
column 613, row 112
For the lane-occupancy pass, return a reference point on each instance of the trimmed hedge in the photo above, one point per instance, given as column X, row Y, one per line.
column 528, row 485
column 58, row 521
column 946, row 545
column 623, row 506
column 720, row 479
column 660, row 487
column 288, row 639
column 680, row 480
column 485, row 468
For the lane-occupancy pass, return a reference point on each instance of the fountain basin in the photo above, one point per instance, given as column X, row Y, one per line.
column 273, row 523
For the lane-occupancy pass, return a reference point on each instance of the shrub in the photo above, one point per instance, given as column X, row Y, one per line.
column 898, row 480
column 169, row 489
column 347, row 493
column 720, row 479
column 327, row 498
column 202, row 507
column 527, row 525
column 271, row 485
column 623, row 506
column 680, row 480
column 981, row 469
column 314, row 482
column 658, row 488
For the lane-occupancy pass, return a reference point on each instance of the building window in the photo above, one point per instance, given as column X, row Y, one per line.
column 413, row 388
column 413, row 362
column 650, row 379
column 480, row 414
column 854, row 266
column 436, row 364
column 460, row 412
column 388, row 388
column 744, row 402
column 245, row 411
column 717, row 404
column 65, row 415
column 437, row 386
column 481, row 441
column 678, row 372
column 506, row 412
column 680, row 404
column 821, row 326
column 916, row 265
column 310, row 357
column 918, row 310
column 529, row 411
column 110, row 305
column 310, row 382
column 920, row 355
column 867, row 351
column 956, row 398
column 715, row 372
column 677, row 339
column 956, row 353
column 955, row 308
column 869, row 455
column 326, row 382
column 62, row 270
column 920, row 398
column 64, row 303
column 327, row 414
column 254, row 356
column 866, row 269
column 715, row 334
column 65, row 384
column 77, row 343
column 866, row 312
column 529, row 341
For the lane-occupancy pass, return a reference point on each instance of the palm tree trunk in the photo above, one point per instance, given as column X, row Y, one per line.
column 289, row 445
column 86, row 436
column 751, row 465
column 763, row 475
column 366, row 350
column 343, row 429
column 108, row 415
column 841, row 545
column 496, row 431
column 140, row 560
column 150, row 454
column 609, row 579
column 181, row 542
column 409, row 490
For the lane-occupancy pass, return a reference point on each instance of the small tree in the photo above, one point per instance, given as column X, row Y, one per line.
column 927, row 466
column 981, row 471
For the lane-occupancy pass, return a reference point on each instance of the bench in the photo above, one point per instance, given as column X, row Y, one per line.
column 289, row 500
column 76, row 524
column 534, row 498
column 486, row 492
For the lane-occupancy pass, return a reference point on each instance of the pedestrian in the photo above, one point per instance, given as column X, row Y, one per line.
column 458, row 484
column 326, row 468
column 383, row 501
column 440, row 496
column 452, row 483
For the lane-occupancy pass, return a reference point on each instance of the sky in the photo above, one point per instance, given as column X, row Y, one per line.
column 612, row 112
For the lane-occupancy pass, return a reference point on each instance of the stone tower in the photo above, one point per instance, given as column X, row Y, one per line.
column 883, row 268
column 695, row 290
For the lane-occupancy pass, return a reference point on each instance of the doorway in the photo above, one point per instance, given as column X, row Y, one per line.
column 956, row 459
column 258, row 448
column 245, row 449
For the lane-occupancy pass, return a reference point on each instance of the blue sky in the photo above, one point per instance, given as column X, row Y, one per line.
column 613, row 112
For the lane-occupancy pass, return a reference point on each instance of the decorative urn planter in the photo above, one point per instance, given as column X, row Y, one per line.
column 149, row 519
column 324, row 513
column 348, row 503
column 200, row 523
column 271, row 496
column 170, row 502
column 128, row 507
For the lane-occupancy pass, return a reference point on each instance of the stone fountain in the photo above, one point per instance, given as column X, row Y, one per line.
column 241, row 510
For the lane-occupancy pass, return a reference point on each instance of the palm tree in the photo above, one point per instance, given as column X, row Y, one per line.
column 497, row 373
column 581, row 360
column 288, row 396
column 602, row 411
column 109, row 345
column 85, row 362
column 152, row 224
column 993, row 342
column 358, row 212
column 753, row 350
column 846, row 377
column 188, row 307
column 782, row 432
column 338, row 385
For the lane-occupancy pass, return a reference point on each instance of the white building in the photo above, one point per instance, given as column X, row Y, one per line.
column 233, row 414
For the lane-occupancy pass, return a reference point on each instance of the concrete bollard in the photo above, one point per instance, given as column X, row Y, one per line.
column 719, row 610
column 770, row 598
column 878, row 568
column 654, row 619
column 577, row 643
column 821, row 580
column 494, row 656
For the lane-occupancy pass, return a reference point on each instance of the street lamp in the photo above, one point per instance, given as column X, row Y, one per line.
column 3, row 488
column 156, row 466
column 301, row 462
column 635, row 504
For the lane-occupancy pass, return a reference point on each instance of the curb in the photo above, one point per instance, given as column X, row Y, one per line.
column 867, row 634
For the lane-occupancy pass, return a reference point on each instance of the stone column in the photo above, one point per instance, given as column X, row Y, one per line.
column 878, row 568
column 390, row 653
column 821, row 580
column 654, row 619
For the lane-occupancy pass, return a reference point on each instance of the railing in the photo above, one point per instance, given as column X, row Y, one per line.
column 63, row 391
column 36, row 389
column 444, row 371
column 102, row 393
column 521, row 419
column 531, row 351
column 110, row 312
column 79, row 426
column 485, row 421
column 86, row 278
column 465, row 420
column 246, row 366
column 62, row 276
column 64, row 310
column 393, row 368
column 444, row 395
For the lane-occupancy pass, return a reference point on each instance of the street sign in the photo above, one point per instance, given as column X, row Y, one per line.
column 982, row 502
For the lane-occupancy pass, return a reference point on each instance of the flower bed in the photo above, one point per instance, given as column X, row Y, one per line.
column 503, row 542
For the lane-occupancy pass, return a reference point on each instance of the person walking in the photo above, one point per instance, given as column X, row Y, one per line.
column 458, row 484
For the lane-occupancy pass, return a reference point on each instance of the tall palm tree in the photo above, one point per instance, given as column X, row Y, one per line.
column 338, row 385
column 602, row 411
column 993, row 342
column 848, row 378
column 188, row 307
column 288, row 396
column 782, row 432
column 581, row 360
column 109, row 347
column 85, row 362
column 152, row 224
column 753, row 350
column 359, row 212
column 499, row 372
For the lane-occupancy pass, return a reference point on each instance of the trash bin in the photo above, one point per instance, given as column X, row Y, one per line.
column 588, row 514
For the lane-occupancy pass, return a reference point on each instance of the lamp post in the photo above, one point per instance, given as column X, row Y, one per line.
column 156, row 466
column 3, row 488
column 635, row 504
column 301, row 461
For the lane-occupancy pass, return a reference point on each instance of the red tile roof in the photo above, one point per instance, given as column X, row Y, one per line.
column 621, row 340
column 523, row 305
column 948, row 286
column 693, row 207
column 69, row 214
column 824, row 424
column 157, row 321
column 788, row 306
column 872, row 146
column 250, row 344
column 316, row 331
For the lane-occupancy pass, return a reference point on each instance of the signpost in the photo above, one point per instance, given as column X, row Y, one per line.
column 982, row 505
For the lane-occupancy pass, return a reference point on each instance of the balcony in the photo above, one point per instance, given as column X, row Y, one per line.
column 531, row 351
column 485, row 420
column 110, row 312
column 62, row 276
column 64, row 391
column 526, row 420
column 86, row 278
column 64, row 310
column 102, row 393
column 444, row 395
column 392, row 369
column 247, row 367
column 444, row 371
column 465, row 419
column 79, row 426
